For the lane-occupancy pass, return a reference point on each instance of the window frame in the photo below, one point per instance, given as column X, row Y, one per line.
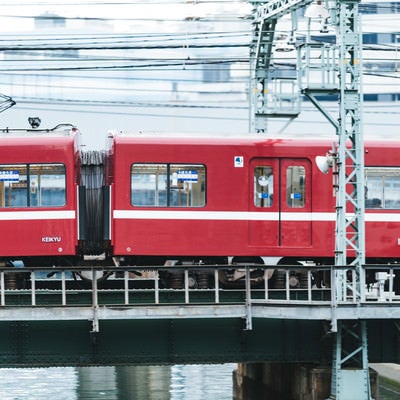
column 378, row 201
column 263, row 186
column 170, row 169
column 30, row 185
column 296, row 199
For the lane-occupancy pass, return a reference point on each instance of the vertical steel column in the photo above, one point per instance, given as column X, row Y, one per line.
column 260, row 52
column 263, row 37
column 350, row 236
column 350, row 375
column 267, row 14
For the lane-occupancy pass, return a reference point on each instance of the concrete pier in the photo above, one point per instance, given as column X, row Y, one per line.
column 389, row 379
column 288, row 381
column 388, row 370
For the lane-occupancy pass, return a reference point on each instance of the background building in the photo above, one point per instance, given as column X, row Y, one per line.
column 170, row 66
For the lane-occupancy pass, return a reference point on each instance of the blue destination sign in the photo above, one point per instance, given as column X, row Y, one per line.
column 9, row 176
column 188, row 176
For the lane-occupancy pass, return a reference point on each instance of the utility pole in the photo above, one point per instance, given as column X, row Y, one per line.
column 350, row 373
column 340, row 72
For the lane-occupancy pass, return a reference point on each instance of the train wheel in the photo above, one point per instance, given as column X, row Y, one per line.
column 235, row 277
column 295, row 278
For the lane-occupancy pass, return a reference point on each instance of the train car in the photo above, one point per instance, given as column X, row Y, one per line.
column 192, row 200
column 39, row 178
column 241, row 199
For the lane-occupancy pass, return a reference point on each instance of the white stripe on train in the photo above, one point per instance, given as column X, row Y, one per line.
column 36, row 215
column 245, row 215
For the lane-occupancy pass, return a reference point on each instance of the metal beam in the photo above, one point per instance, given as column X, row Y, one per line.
column 157, row 341
column 350, row 373
column 275, row 9
column 166, row 341
column 265, row 20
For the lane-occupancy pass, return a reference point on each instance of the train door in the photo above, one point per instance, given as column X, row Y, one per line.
column 264, row 202
column 295, row 202
column 280, row 202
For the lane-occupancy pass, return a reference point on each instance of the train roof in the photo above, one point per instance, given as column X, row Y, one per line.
column 61, row 134
column 206, row 138
column 235, row 139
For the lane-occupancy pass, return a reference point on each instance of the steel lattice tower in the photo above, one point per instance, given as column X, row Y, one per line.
column 350, row 375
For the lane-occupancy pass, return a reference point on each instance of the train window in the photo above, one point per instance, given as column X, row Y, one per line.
column 46, row 185
column 296, row 186
column 187, row 184
column 263, row 186
column 382, row 188
column 32, row 185
column 168, row 185
column 149, row 185
column 13, row 184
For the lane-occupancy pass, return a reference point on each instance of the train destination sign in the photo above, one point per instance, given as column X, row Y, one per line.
column 188, row 176
column 9, row 176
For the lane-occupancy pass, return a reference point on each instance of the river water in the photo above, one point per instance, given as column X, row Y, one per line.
column 178, row 382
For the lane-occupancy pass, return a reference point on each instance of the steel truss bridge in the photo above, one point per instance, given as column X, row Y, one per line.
column 52, row 317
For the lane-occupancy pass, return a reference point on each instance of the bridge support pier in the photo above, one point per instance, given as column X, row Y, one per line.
column 289, row 381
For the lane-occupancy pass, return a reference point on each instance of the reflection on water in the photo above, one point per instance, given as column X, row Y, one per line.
column 194, row 382
column 179, row 382
column 38, row 383
column 143, row 382
column 96, row 383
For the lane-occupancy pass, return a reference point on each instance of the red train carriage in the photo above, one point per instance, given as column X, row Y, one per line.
column 39, row 173
column 196, row 198
column 192, row 200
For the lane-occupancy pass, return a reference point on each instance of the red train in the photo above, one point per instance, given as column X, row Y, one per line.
column 39, row 177
column 162, row 200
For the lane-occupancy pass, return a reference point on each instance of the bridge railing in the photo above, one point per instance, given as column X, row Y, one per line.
column 211, row 284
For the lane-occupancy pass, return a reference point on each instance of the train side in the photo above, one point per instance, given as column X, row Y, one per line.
column 219, row 203
column 39, row 176
column 199, row 198
column 188, row 199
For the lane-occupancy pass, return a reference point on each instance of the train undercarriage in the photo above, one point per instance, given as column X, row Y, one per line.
column 179, row 272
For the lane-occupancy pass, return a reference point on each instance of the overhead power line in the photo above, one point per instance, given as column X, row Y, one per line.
column 124, row 46
column 120, row 103
column 184, row 63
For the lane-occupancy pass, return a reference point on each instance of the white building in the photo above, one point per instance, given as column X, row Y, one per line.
column 168, row 67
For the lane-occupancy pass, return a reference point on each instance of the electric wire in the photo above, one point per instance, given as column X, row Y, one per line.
column 189, row 116
column 137, row 42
